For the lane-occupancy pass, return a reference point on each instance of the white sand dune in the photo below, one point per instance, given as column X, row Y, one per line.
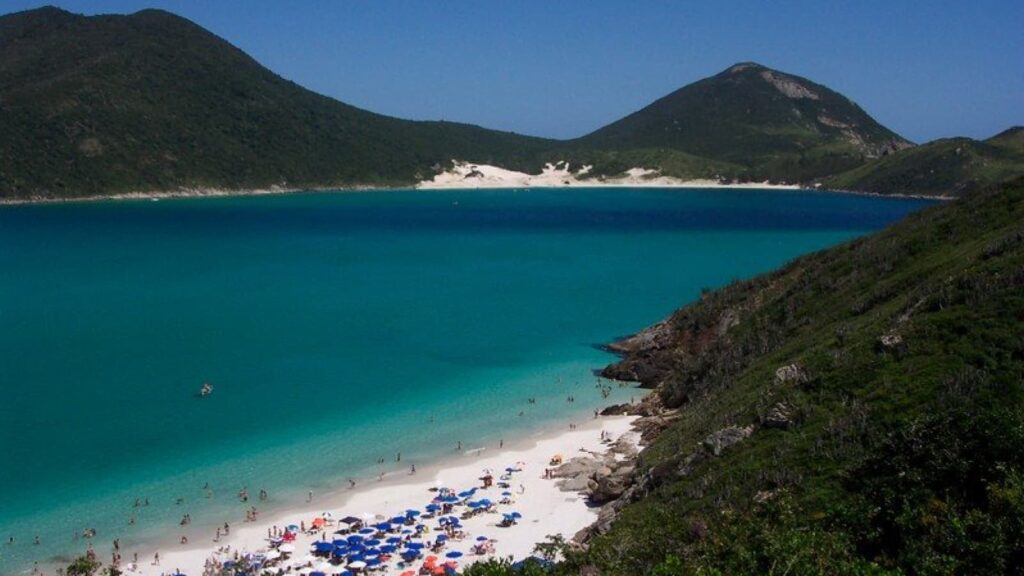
column 546, row 510
column 467, row 175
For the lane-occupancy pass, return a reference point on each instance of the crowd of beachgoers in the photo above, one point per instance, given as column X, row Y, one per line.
column 414, row 541
column 486, row 506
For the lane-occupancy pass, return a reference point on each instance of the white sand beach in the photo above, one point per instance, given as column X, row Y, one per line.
column 545, row 509
column 467, row 175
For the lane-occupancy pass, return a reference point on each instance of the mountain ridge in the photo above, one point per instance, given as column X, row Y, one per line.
column 150, row 102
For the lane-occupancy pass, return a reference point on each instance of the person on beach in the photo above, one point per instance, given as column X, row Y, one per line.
column 412, row 469
column 156, row 559
column 459, row 448
column 398, row 458
column 36, row 541
column 184, row 539
column 501, row 443
column 227, row 529
column 351, row 483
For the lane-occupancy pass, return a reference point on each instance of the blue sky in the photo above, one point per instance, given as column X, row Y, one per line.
column 564, row 68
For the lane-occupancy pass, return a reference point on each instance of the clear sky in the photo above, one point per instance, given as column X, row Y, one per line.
column 564, row 68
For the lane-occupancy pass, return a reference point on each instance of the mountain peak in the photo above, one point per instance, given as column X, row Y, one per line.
column 773, row 124
column 741, row 66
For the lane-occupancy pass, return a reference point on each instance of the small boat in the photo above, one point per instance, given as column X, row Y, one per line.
column 206, row 390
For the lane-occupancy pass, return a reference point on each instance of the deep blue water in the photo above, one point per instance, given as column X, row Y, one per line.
column 333, row 326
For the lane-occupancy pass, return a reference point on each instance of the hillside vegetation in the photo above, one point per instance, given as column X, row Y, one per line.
column 768, row 124
column 949, row 167
column 151, row 101
column 860, row 411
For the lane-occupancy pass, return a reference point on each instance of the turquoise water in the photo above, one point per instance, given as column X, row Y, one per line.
column 334, row 327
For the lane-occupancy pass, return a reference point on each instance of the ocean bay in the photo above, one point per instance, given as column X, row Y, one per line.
column 330, row 325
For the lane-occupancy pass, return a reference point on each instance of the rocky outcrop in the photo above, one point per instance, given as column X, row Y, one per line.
column 781, row 416
column 616, row 487
column 718, row 441
column 793, row 373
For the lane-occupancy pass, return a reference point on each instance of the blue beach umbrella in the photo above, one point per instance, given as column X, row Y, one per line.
column 394, row 540
column 317, row 574
column 442, row 537
column 398, row 520
column 406, row 531
column 432, row 507
column 516, row 515
column 382, row 526
column 454, row 554
column 466, row 494
column 355, row 539
column 323, row 546
column 412, row 513
column 414, row 545
column 388, row 549
column 367, row 531
column 373, row 542
column 482, row 538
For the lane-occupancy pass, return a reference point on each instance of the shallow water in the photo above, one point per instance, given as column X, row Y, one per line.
column 333, row 327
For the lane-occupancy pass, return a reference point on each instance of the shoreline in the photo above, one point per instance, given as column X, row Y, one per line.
column 640, row 179
column 566, row 512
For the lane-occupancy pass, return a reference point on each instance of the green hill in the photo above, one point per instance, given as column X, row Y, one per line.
column 771, row 124
column 859, row 411
column 950, row 167
column 151, row 101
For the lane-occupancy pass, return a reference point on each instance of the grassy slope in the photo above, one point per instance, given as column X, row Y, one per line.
column 150, row 101
column 950, row 166
column 903, row 459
